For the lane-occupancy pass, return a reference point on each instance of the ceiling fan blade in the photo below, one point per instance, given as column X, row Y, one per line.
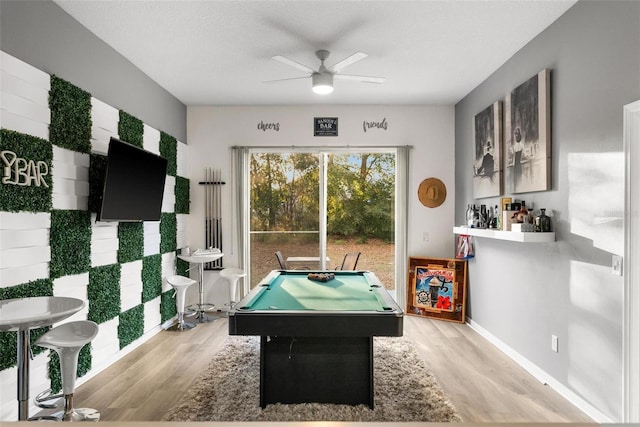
column 293, row 63
column 347, row 61
column 364, row 79
column 284, row 80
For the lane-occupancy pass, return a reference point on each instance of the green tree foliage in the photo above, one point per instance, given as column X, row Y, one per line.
column 360, row 193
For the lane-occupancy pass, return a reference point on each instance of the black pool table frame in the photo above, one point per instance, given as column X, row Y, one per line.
column 316, row 356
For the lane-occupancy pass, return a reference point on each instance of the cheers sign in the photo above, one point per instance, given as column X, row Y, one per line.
column 23, row 172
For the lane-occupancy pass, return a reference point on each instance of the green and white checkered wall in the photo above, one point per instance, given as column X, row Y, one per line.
column 50, row 242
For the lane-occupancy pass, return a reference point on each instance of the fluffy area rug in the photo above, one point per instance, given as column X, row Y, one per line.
column 404, row 390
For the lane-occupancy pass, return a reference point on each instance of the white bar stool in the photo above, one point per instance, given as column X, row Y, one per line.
column 180, row 285
column 67, row 340
column 233, row 275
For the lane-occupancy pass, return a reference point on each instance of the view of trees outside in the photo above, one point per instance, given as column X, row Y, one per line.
column 360, row 209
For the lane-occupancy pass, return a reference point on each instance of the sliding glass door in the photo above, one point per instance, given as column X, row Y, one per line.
column 315, row 206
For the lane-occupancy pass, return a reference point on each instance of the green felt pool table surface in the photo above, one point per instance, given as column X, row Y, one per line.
column 352, row 291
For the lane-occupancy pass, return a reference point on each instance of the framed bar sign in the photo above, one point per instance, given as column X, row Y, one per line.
column 325, row 126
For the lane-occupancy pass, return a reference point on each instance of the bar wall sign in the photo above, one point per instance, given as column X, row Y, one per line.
column 325, row 126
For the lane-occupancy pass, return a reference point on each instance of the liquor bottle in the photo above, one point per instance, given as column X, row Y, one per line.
column 543, row 222
column 522, row 216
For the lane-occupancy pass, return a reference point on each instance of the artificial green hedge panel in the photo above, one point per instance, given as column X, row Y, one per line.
column 182, row 195
column 182, row 266
column 70, row 239
column 104, row 293
column 151, row 277
column 130, row 129
column 167, row 306
column 9, row 340
column 26, row 184
column 169, row 150
column 131, row 241
column 97, row 172
column 131, row 325
column 70, row 116
column 84, row 366
column 168, row 231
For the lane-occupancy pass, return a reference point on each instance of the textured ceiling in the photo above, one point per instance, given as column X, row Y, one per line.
column 212, row 52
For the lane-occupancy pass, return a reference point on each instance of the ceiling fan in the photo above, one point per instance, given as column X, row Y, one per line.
column 322, row 79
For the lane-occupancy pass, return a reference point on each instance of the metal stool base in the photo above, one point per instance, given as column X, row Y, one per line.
column 185, row 326
column 199, row 310
column 79, row 414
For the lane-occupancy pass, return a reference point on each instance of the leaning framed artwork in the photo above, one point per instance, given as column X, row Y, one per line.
column 487, row 160
column 528, row 135
column 436, row 288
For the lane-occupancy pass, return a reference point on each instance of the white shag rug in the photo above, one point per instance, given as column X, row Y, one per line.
column 404, row 390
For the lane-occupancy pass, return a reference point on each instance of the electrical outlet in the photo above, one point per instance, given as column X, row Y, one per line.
column 425, row 236
column 616, row 265
column 554, row 343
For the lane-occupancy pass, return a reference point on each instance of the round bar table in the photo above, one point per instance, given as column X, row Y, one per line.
column 23, row 314
column 201, row 259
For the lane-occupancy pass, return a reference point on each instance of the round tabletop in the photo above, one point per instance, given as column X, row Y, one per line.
column 28, row 313
column 201, row 258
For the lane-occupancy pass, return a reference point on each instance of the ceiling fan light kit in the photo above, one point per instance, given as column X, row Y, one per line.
column 322, row 83
column 322, row 80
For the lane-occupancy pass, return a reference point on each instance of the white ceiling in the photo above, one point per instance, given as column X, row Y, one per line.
column 210, row 52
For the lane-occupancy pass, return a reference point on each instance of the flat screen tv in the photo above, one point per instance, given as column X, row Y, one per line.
column 133, row 184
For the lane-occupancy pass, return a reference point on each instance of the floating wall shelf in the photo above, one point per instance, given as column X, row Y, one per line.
column 507, row 235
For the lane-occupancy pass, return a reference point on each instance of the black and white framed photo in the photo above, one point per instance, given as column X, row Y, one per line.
column 487, row 160
column 528, row 135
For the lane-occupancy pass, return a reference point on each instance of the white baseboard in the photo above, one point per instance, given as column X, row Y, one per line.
column 541, row 375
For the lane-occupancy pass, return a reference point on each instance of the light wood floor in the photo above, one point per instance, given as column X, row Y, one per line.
column 483, row 383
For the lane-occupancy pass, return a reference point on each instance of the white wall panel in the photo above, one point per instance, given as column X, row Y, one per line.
column 104, row 125
column 24, row 125
column 77, row 203
column 8, row 400
column 104, row 116
column 69, row 284
column 24, row 107
column 130, row 285
column 10, row 239
column 24, row 98
column 151, row 237
column 181, row 159
column 169, row 198
column 14, row 66
column 181, row 235
column 151, row 139
column 168, row 269
column 15, row 85
column 152, row 317
column 104, row 242
column 17, row 275
column 106, row 344
column 74, row 286
column 69, row 192
column 20, row 257
column 24, row 252
column 24, row 220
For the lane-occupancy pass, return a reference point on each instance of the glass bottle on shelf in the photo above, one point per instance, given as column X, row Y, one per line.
column 522, row 216
column 543, row 222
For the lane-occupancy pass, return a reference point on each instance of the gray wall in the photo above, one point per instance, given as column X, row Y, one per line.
column 43, row 35
column 521, row 294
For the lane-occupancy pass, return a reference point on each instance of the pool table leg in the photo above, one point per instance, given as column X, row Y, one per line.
column 316, row 369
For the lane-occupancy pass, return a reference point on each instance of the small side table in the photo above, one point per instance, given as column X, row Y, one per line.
column 22, row 315
column 201, row 259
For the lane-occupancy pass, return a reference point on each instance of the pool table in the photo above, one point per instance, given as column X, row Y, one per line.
column 316, row 340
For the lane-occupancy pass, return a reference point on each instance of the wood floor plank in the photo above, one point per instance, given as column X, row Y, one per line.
column 482, row 382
